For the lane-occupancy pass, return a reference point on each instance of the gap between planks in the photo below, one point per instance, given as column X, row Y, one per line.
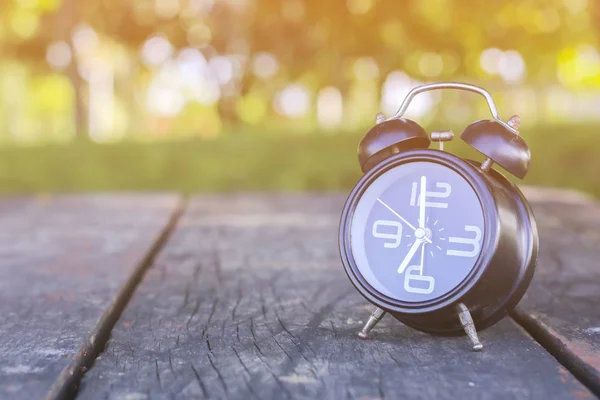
column 66, row 385
column 558, row 350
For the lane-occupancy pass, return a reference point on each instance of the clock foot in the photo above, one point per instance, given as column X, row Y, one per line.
column 373, row 320
column 469, row 326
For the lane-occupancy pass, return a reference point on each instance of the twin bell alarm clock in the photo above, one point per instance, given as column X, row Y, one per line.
column 444, row 244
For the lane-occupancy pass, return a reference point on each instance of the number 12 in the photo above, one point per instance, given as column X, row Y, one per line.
column 445, row 191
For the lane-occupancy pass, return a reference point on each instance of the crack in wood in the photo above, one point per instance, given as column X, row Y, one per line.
column 66, row 385
column 157, row 373
column 555, row 345
column 202, row 387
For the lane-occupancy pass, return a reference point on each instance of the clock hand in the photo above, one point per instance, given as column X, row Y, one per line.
column 422, row 197
column 402, row 219
column 397, row 215
column 422, row 258
column 409, row 256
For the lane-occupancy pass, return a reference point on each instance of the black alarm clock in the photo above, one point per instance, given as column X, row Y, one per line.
column 444, row 244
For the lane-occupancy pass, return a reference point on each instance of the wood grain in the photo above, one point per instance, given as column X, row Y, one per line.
column 64, row 262
column 248, row 299
column 562, row 307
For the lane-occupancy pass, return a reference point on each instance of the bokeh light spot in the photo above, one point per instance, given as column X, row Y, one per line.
column 512, row 66
column 167, row 9
column 45, row 5
column 293, row 10
column 27, row 3
column 252, row 108
column 156, row 51
column 359, row 7
column 192, row 63
column 85, row 39
column 293, row 101
column 24, row 23
column 143, row 12
column 431, row 64
column 165, row 100
column 509, row 64
column 576, row 6
column 58, row 55
column 195, row 7
column 396, row 87
column 547, row 20
column 392, row 34
column 490, row 59
column 330, row 107
column 365, row 69
column 579, row 66
column 199, row 35
column 208, row 92
column 222, row 68
column 265, row 65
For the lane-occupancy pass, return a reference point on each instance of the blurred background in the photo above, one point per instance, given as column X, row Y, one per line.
column 230, row 95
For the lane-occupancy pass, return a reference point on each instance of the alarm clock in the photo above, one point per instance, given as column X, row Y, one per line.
column 446, row 245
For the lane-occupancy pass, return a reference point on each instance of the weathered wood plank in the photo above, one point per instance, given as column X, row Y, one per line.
column 64, row 265
column 248, row 299
column 562, row 307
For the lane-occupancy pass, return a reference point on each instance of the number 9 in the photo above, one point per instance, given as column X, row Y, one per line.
column 396, row 237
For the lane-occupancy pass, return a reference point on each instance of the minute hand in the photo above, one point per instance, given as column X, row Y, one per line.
column 410, row 255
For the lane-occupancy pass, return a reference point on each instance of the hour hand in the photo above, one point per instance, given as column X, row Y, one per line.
column 410, row 255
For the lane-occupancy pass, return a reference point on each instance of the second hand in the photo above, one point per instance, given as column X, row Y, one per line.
column 425, row 238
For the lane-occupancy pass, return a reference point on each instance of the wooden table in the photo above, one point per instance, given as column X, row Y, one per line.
column 130, row 296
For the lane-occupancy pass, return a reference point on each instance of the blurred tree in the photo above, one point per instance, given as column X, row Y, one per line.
column 54, row 21
column 61, row 28
column 315, row 42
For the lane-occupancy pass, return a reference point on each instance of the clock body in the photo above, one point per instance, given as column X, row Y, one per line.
column 476, row 243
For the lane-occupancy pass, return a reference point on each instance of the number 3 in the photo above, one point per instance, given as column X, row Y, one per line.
column 474, row 243
column 396, row 237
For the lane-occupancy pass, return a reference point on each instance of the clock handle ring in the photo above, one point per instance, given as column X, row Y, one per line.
column 452, row 85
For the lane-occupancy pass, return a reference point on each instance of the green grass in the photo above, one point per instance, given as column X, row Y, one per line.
column 562, row 156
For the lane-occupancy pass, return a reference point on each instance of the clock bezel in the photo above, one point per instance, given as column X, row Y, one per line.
column 474, row 178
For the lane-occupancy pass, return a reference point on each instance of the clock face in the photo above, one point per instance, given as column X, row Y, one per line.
column 417, row 231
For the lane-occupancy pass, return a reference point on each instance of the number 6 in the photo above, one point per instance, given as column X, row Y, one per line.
column 417, row 277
